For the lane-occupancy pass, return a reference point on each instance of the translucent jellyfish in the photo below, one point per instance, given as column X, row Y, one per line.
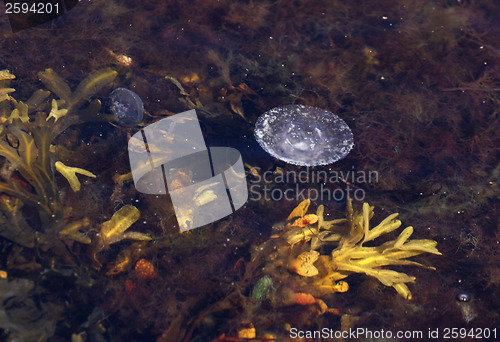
column 126, row 106
column 304, row 135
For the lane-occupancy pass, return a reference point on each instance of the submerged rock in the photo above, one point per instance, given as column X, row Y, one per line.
column 304, row 135
column 126, row 106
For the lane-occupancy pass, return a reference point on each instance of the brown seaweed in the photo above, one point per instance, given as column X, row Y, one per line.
column 27, row 182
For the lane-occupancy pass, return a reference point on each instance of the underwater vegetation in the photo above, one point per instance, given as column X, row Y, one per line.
column 351, row 255
column 28, row 170
column 416, row 81
column 28, row 179
column 34, row 215
column 30, row 162
column 114, row 230
column 22, row 315
column 306, row 263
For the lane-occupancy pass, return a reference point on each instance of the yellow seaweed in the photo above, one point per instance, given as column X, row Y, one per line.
column 300, row 210
column 37, row 99
column 55, row 112
column 6, row 75
column 312, row 227
column 25, row 143
column 27, row 149
column 69, row 173
column 29, row 156
column 55, row 84
column 20, row 112
column 303, row 264
column 136, row 236
column 4, row 93
column 88, row 87
column 114, row 230
column 25, row 158
column 177, row 84
column 351, row 256
column 12, row 225
column 91, row 85
column 72, row 231
column 298, row 234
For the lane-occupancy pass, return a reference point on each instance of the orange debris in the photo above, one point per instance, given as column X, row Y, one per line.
column 130, row 286
column 304, row 298
column 305, row 221
column 144, row 270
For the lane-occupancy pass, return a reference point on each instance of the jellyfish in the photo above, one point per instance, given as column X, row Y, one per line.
column 303, row 135
column 126, row 106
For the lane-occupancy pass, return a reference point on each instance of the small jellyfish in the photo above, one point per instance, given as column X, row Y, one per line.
column 126, row 106
column 303, row 135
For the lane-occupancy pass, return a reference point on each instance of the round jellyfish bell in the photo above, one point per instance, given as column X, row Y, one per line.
column 303, row 135
column 126, row 106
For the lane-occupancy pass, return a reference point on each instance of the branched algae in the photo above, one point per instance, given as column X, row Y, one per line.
column 309, row 260
column 350, row 254
column 352, row 257
column 28, row 171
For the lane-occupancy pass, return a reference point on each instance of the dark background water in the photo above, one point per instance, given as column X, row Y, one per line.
column 418, row 82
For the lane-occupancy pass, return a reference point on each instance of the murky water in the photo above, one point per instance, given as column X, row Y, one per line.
column 84, row 256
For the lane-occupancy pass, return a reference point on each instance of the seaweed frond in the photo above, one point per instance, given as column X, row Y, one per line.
column 6, row 75
column 27, row 179
column 29, row 155
column 12, row 225
column 72, row 231
column 305, row 229
column 69, row 173
column 4, row 93
column 113, row 230
column 351, row 255
column 88, row 87
column 55, row 112
column 69, row 107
